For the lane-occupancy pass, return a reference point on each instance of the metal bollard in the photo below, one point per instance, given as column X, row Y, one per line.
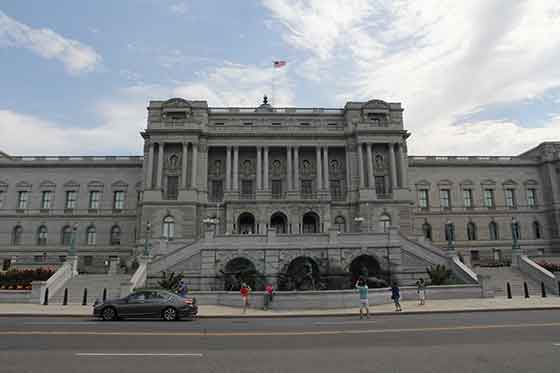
column 543, row 290
column 508, row 288
column 46, row 300
column 65, row 300
column 104, row 295
column 84, row 300
column 525, row 289
column 559, row 288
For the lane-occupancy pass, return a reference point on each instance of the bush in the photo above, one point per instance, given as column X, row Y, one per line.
column 439, row 274
column 22, row 279
column 552, row 267
column 170, row 280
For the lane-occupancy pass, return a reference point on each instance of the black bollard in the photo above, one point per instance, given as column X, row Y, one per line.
column 543, row 290
column 508, row 287
column 559, row 288
column 46, row 300
column 65, row 300
column 84, row 300
column 525, row 289
column 104, row 295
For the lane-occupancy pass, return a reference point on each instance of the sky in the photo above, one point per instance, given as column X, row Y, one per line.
column 477, row 77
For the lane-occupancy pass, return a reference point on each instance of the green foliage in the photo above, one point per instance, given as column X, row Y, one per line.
column 170, row 280
column 21, row 279
column 439, row 274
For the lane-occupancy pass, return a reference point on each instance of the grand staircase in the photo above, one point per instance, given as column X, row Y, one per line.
column 499, row 276
column 94, row 285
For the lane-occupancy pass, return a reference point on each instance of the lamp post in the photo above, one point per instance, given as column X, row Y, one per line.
column 388, row 228
column 147, row 239
column 450, row 230
column 515, row 248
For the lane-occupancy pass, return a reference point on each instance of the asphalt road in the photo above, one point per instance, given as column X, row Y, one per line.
column 525, row 341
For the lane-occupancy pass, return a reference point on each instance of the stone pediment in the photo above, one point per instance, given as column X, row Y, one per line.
column 445, row 182
column 47, row 184
column 3, row 184
column 531, row 182
column 510, row 182
column 96, row 184
column 488, row 182
column 72, row 184
column 119, row 184
column 423, row 183
column 466, row 182
column 23, row 184
column 176, row 102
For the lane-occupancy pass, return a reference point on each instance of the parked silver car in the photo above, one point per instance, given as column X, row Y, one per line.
column 148, row 303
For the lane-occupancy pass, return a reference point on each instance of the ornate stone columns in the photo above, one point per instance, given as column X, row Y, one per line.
column 266, row 168
column 371, row 184
column 296, row 169
column 403, row 166
column 235, row 168
column 194, row 165
column 289, row 159
column 259, row 168
column 228, row 168
column 393, row 166
column 184, row 166
column 161, row 154
column 361, row 165
column 150, row 177
column 326, row 168
column 319, row 168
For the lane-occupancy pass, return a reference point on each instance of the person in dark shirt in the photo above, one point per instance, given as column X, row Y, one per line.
column 396, row 296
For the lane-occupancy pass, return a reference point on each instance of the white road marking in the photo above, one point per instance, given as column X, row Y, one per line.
column 344, row 322
column 556, row 344
column 98, row 354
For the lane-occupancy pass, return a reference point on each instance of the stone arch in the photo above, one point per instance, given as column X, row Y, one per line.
column 240, row 270
column 279, row 220
column 310, row 222
column 246, row 223
column 367, row 267
column 302, row 273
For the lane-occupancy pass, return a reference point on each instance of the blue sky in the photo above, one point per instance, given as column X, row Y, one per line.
column 474, row 78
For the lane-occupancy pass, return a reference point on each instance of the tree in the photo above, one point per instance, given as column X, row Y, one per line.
column 170, row 280
column 439, row 274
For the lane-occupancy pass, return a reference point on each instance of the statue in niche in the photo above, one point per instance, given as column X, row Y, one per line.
column 173, row 160
column 379, row 161
column 247, row 167
column 217, row 167
column 334, row 164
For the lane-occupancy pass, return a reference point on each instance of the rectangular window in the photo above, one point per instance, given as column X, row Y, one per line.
column 217, row 191
column 172, row 187
column 489, row 198
column 307, row 188
column 219, row 123
column 118, row 200
column 276, row 123
column 247, row 189
column 248, row 124
column 70, row 199
column 444, row 199
column 510, row 198
column 467, row 198
column 139, row 197
column 276, row 188
column 94, row 197
column 88, row 260
column 304, row 124
column 46, row 198
column 531, row 198
column 336, row 189
column 380, row 185
column 423, row 198
column 1, row 198
column 22, row 199
column 475, row 256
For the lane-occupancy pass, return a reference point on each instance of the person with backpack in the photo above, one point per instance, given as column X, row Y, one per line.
column 396, row 296
column 245, row 291
column 421, row 291
column 362, row 287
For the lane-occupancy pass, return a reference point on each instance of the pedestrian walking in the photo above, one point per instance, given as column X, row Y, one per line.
column 245, row 291
column 268, row 295
column 421, row 290
column 362, row 287
column 183, row 288
column 396, row 296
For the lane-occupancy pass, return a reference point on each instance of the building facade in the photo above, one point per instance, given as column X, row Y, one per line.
column 302, row 172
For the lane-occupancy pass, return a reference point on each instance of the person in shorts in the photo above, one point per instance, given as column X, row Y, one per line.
column 362, row 287
column 396, row 296
column 245, row 291
column 421, row 291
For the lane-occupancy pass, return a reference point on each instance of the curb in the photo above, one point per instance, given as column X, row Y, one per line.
column 308, row 315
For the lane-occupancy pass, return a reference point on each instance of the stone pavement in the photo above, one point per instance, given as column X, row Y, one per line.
column 207, row 311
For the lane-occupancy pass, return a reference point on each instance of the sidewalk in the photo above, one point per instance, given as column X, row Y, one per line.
column 409, row 307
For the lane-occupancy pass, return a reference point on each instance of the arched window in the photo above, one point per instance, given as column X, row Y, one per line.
column 246, row 223
column 66, row 235
column 537, row 230
column 115, row 235
column 17, row 235
column 471, row 231
column 340, row 223
column 168, row 230
column 427, row 230
column 493, row 230
column 310, row 223
column 279, row 222
column 385, row 222
column 91, row 236
column 42, row 236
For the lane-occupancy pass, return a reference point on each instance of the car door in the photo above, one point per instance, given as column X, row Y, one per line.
column 156, row 302
column 136, row 305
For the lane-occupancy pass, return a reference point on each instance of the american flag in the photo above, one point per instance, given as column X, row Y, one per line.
column 279, row 64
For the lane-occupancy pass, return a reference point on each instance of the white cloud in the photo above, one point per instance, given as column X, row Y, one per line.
column 123, row 114
column 442, row 59
column 75, row 56
column 180, row 8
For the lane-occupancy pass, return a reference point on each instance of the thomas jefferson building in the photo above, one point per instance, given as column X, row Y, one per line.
column 273, row 184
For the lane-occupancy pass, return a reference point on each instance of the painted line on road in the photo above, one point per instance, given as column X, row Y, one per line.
column 125, row 354
column 344, row 322
column 287, row 333
column 556, row 344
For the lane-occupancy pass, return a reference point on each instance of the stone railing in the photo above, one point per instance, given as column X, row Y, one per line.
column 139, row 278
column 538, row 273
column 462, row 271
column 64, row 273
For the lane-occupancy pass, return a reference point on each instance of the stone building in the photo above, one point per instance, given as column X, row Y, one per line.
column 270, row 185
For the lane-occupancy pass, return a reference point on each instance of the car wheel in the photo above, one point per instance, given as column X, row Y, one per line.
column 169, row 314
column 109, row 314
